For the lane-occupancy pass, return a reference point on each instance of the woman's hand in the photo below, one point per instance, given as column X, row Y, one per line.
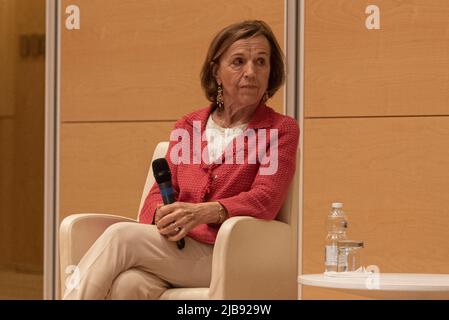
column 175, row 220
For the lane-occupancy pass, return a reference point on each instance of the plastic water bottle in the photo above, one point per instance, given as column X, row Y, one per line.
column 336, row 225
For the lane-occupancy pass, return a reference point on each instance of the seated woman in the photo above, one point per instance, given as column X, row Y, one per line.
column 235, row 157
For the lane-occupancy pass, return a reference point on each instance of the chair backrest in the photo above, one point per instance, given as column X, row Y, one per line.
column 290, row 206
column 284, row 215
column 159, row 152
column 285, row 212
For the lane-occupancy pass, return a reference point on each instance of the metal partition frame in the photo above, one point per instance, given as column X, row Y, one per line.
column 51, row 149
column 294, row 39
column 300, row 108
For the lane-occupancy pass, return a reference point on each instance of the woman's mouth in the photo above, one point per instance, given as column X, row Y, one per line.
column 249, row 86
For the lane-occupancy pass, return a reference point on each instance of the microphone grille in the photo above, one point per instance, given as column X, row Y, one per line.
column 161, row 170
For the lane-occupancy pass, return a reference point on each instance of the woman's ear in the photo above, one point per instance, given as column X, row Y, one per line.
column 217, row 78
column 216, row 74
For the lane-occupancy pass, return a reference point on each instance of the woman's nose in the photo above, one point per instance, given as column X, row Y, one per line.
column 249, row 69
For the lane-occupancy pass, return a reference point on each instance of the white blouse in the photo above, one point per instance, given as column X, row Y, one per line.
column 218, row 137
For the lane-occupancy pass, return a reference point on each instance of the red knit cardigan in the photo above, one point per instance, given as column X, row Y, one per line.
column 240, row 188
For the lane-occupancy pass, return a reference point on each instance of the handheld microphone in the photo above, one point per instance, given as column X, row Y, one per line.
column 162, row 174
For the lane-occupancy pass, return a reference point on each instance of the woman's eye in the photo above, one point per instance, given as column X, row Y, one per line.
column 237, row 61
column 261, row 61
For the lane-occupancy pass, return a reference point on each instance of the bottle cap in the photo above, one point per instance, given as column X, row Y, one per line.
column 337, row 205
column 350, row 244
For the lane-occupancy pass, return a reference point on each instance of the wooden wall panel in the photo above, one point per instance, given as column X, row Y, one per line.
column 22, row 146
column 400, row 69
column 104, row 165
column 392, row 176
column 27, row 228
column 140, row 60
column 6, row 190
column 7, row 55
column 7, row 106
column 126, row 76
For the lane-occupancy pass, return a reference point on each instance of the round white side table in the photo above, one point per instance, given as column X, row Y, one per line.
column 385, row 285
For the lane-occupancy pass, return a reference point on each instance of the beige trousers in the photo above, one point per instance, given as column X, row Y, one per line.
column 134, row 261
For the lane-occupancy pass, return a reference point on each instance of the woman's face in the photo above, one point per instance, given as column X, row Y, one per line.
column 244, row 70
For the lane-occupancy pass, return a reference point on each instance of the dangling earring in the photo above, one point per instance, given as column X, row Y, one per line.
column 265, row 97
column 220, row 103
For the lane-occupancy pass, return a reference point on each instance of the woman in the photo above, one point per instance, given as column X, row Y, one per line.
column 221, row 177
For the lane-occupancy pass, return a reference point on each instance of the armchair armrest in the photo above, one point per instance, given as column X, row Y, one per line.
column 246, row 250
column 78, row 232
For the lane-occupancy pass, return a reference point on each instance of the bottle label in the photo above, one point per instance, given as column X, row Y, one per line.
column 331, row 255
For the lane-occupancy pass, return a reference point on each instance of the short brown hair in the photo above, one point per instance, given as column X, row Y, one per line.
column 225, row 38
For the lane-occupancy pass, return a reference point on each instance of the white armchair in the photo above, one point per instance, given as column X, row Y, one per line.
column 252, row 258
